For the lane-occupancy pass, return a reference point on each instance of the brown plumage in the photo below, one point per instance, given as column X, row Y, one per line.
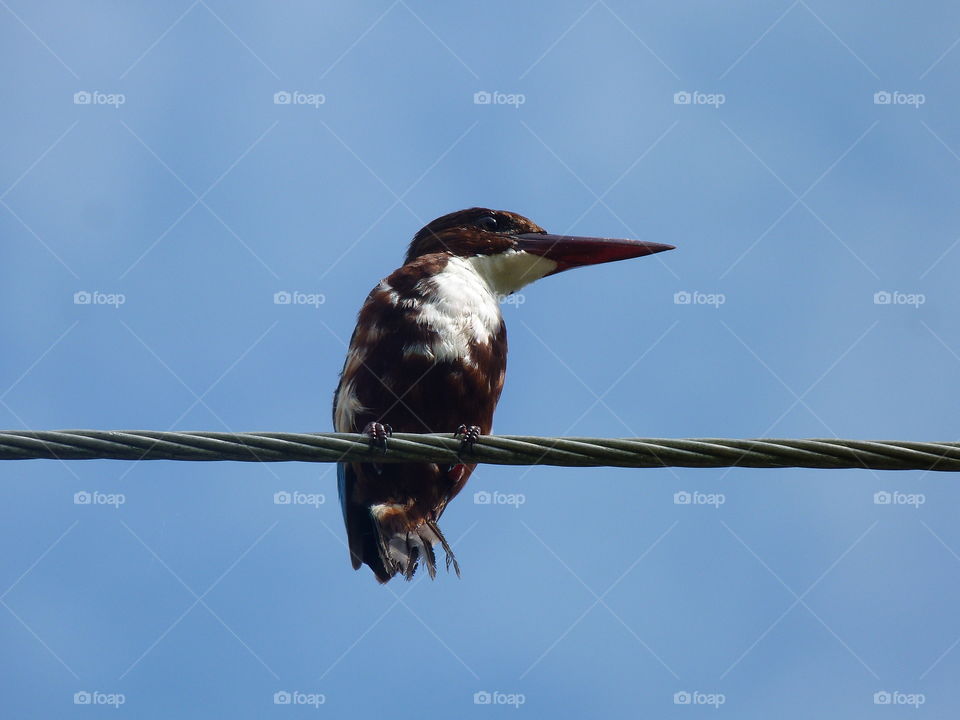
column 429, row 355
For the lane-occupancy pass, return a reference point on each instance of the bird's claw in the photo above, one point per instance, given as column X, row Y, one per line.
column 469, row 434
column 378, row 434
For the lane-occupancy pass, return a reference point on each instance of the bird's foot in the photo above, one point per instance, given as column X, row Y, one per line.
column 469, row 434
column 378, row 434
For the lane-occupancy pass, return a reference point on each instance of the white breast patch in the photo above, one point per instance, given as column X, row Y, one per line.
column 461, row 308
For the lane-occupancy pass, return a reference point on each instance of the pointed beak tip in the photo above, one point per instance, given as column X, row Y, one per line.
column 642, row 248
column 659, row 247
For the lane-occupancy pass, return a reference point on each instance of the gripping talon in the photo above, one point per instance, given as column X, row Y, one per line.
column 470, row 435
column 378, row 434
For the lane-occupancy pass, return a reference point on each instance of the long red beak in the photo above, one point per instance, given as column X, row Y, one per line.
column 570, row 251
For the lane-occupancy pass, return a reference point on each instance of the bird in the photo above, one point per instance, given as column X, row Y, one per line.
column 429, row 355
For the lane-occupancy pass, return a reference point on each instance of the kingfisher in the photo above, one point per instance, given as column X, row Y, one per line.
column 429, row 355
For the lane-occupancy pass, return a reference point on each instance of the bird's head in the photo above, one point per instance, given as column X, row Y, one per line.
column 510, row 251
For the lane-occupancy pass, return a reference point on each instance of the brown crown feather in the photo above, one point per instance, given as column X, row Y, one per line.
column 463, row 234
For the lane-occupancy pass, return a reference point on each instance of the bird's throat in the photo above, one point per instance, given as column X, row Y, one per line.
column 505, row 273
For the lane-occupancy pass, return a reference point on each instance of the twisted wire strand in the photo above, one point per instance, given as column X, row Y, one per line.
column 494, row 449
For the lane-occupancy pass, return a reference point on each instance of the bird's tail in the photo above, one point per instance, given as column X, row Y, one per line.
column 392, row 545
column 391, row 538
column 402, row 545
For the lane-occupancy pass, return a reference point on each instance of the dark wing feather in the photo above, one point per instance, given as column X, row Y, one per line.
column 345, row 481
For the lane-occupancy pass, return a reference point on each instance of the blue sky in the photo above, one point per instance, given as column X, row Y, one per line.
column 803, row 156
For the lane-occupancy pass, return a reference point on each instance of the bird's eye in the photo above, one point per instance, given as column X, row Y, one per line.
column 487, row 222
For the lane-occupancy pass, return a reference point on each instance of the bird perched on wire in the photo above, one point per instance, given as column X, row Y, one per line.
column 429, row 355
